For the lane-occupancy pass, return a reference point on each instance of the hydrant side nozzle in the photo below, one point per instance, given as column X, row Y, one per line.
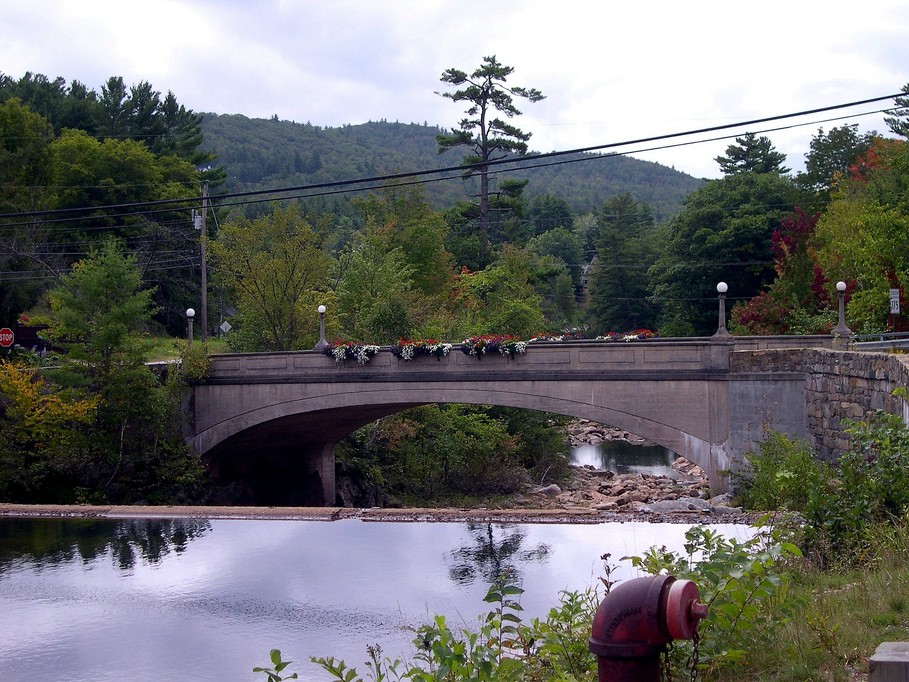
column 683, row 609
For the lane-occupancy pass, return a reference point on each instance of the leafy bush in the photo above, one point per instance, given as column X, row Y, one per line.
column 844, row 505
column 440, row 454
column 195, row 362
column 871, row 489
column 744, row 584
column 782, row 474
column 501, row 648
column 437, row 453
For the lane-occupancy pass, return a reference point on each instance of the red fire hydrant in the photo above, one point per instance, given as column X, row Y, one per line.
column 636, row 621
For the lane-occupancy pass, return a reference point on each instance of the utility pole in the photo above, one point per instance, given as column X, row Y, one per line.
column 203, row 237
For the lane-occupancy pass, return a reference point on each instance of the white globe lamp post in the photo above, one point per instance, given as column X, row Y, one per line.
column 322, row 344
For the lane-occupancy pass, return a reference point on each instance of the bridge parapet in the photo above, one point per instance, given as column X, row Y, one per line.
column 542, row 360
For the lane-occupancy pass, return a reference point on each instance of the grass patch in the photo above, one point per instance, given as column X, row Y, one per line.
column 839, row 620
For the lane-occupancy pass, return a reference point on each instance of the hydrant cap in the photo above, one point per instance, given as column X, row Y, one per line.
column 683, row 610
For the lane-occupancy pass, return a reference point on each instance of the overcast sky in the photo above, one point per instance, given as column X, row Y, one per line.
column 611, row 71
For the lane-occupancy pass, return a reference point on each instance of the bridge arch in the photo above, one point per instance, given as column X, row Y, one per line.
column 333, row 416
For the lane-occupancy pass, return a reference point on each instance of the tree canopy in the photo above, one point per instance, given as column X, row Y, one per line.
column 277, row 275
column 723, row 234
column 752, row 154
column 830, row 156
column 619, row 284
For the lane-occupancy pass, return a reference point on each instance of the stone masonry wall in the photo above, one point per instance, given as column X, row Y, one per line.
column 839, row 386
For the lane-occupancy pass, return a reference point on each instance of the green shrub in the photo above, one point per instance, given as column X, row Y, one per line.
column 438, row 454
column 501, row 648
column 843, row 505
column 744, row 584
column 783, row 474
column 870, row 490
column 195, row 362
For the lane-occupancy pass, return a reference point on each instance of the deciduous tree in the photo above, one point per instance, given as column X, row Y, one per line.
column 723, row 234
column 44, row 436
column 25, row 172
column 501, row 298
column 100, row 313
column 800, row 299
column 277, row 272
column 863, row 236
column 406, row 221
column 375, row 289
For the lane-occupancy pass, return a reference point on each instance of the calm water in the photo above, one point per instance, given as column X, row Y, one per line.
column 168, row 601
column 626, row 458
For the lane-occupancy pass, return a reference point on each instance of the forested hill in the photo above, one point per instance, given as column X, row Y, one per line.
column 269, row 153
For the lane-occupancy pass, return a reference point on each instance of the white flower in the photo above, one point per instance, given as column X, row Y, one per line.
column 513, row 348
column 438, row 348
column 364, row 353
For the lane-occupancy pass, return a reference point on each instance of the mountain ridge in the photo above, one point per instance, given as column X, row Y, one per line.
column 270, row 153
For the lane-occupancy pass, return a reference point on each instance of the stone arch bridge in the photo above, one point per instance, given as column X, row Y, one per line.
column 274, row 418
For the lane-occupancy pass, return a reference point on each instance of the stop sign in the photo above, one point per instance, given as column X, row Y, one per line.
column 6, row 337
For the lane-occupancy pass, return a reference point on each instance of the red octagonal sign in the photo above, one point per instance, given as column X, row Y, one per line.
column 6, row 337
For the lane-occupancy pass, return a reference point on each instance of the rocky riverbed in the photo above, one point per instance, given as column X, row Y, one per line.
column 686, row 494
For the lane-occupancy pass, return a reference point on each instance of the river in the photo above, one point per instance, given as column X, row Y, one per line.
column 164, row 601
column 626, row 458
column 168, row 600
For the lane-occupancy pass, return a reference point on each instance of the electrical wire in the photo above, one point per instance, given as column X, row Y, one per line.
column 461, row 169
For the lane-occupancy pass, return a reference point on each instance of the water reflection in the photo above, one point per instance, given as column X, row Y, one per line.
column 49, row 542
column 494, row 551
column 626, row 458
column 212, row 607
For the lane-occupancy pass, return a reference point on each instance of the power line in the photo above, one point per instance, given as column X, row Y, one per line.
column 409, row 182
column 462, row 169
